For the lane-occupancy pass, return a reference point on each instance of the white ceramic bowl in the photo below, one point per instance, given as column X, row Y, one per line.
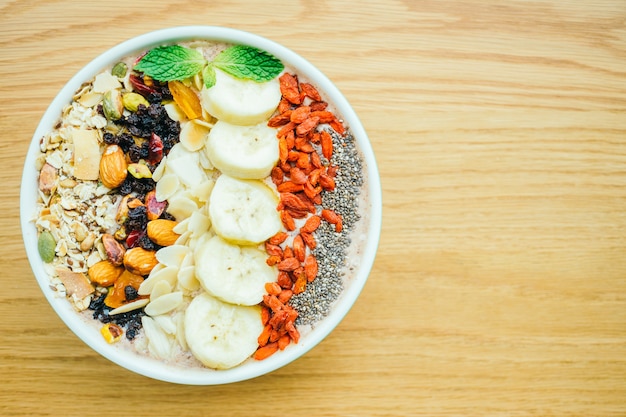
column 150, row 367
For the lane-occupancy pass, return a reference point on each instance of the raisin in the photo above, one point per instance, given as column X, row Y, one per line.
column 110, row 139
column 134, row 153
column 130, row 292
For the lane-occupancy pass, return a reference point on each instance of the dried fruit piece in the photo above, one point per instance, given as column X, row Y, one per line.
column 278, row 238
column 288, row 264
column 111, row 332
column 311, row 224
column 289, row 88
column 154, row 208
column 310, row 268
column 307, row 126
column 117, row 293
column 186, row 98
column 300, row 114
column 46, row 245
column 327, row 144
column 299, row 249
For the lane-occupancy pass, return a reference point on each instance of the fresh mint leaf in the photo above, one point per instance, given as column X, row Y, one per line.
column 208, row 75
column 248, row 63
column 172, row 62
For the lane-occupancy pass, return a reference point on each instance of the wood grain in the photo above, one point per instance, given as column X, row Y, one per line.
column 500, row 283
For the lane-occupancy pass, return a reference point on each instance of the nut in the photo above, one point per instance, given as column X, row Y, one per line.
column 113, row 167
column 139, row 170
column 133, row 100
column 104, row 273
column 140, row 261
column 114, row 249
column 122, row 210
column 119, row 69
column 112, row 105
column 160, row 232
column 87, row 243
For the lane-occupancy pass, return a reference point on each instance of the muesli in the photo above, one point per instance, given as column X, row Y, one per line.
column 196, row 202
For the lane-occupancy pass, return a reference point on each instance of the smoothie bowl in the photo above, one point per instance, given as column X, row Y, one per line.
column 200, row 205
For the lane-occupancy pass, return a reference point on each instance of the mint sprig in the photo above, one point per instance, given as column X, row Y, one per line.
column 169, row 63
column 248, row 63
column 175, row 62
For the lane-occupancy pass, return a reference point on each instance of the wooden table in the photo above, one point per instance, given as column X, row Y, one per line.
column 500, row 282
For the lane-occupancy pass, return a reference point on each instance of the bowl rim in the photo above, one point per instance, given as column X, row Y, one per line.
column 150, row 367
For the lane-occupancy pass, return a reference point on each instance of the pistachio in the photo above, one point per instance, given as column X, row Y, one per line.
column 46, row 245
column 112, row 105
column 139, row 170
column 119, row 70
column 122, row 210
column 114, row 249
column 120, row 234
column 132, row 101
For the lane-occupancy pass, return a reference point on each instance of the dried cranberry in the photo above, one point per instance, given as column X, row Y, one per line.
column 155, row 147
column 132, row 239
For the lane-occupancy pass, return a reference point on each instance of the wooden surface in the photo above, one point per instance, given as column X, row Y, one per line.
column 500, row 283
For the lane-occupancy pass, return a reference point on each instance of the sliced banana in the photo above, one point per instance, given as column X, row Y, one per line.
column 234, row 274
column 221, row 335
column 240, row 102
column 243, row 211
column 248, row 152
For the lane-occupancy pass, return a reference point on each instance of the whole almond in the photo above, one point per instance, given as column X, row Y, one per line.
column 160, row 232
column 113, row 167
column 104, row 273
column 140, row 261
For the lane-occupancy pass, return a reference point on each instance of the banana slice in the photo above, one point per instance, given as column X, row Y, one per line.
column 243, row 211
column 240, row 102
column 221, row 335
column 234, row 274
column 248, row 152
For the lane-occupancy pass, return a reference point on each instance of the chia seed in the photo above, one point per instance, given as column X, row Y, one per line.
column 315, row 303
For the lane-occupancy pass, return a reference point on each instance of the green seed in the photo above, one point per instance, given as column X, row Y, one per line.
column 119, row 70
column 46, row 245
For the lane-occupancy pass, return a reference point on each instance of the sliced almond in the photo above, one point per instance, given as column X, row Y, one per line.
column 164, row 304
column 192, row 135
column 168, row 274
column 134, row 305
column 181, row 207
column 172, row 255
column 160, row 289
column 187, row 278
column 167, row 186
